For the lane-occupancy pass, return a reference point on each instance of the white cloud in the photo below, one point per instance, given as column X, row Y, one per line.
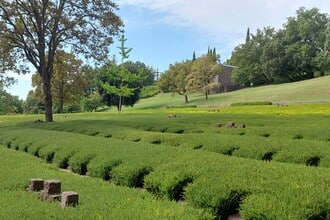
column 226, row 21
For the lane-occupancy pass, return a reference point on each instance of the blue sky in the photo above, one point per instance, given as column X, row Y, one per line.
column 162, row 32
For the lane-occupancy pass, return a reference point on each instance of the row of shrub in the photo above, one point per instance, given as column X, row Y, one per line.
column 222, row 184
column 308, row 127
column 97, row 199
column 256, row 189
column 251, row 103
column 285, row 141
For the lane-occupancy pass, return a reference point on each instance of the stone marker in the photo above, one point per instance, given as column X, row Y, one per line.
column 52, row 190
column 218, row 125
column 69, row 199
column 234, row 217
column 35, row 185
column 231, row 124
column 241, row 126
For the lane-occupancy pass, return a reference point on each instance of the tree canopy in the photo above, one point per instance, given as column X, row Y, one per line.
column 35, row 30
column 298, row 51
column 176, row 79
column 9, row 104
column 69, row 82
column 197, row 75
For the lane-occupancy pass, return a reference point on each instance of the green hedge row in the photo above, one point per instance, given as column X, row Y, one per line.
column 97, row 199
column 207, row 180
column 264, row 138
column 251, row 103
column 256, row 189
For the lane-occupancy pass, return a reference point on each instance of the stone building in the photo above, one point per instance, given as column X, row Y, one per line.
column 226, row 83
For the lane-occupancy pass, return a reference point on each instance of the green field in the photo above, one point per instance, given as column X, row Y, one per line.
column 144, row 164
column 310, row 91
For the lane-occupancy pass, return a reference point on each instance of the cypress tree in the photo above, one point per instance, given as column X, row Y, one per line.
column 194, row 56
column 247, row 38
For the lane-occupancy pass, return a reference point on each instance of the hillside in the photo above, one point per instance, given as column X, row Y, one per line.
column 314, row 90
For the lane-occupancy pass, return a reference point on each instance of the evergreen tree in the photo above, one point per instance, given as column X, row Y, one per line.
column 247, row 38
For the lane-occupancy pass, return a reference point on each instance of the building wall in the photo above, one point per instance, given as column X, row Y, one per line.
column 226, row 83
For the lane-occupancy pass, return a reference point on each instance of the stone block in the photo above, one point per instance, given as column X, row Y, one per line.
column 231, row 124
column 69, row 199
column 36, row 185
column 47, row 197
column 52, row 187
column 242, row 126
column 218, row 125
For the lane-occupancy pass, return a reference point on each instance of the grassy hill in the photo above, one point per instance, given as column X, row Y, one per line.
column 314, row 90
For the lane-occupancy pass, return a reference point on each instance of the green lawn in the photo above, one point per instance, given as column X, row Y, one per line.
column 143, row 164
column 314, row 90
column 277, row 167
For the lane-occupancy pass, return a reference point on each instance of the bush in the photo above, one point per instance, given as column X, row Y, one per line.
column 251, row 103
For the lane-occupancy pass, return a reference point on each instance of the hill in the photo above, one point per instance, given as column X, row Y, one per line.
column 309, row 91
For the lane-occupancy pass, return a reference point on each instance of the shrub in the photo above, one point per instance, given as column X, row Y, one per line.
column 251, row 103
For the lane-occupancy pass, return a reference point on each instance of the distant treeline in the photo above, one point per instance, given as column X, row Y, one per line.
column 298, row 51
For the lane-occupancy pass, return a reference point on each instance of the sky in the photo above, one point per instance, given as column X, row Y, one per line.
column 163, row 32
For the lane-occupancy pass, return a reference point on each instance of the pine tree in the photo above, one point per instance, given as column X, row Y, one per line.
column 247, row 39
column 194, row 56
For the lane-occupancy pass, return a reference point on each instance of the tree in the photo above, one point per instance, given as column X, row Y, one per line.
column 322, row 60
column 203, row 72
column 305, row 37
column 124, row 74
column 69, row 81
column 118, row 86
column 91, row 102
column 9, row 104
column 118, row 81
column 139, row 68
column 37, row 29
column 32, row 105
column 176, row 79
column 296, row 52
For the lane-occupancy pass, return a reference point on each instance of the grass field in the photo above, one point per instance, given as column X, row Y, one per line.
column 183, row 167
column 315, row 90
column 153, row 162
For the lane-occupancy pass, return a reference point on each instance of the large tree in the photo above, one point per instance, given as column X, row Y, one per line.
column 296, row 52
column 203, row 72
column 176, row 79
column 36, row 29
column 118, row 86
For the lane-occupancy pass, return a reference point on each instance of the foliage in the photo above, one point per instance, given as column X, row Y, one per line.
column 307, row 91
column 35, row 30
column 188, row 162
column 32, row 105
column 251, row 103
column 139, row 68
column 296, row 52
column 192, row 76
column 91, row 102
column 176, row 79
column 203, row 72
column 9, row 104
column 149, row 91
column 118, row 86
column 69, row 82
column 97, row 198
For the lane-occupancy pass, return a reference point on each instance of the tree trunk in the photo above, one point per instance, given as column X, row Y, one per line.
column 48, row 101
column 120, row 104
column 186, row 99
column 206, row 95
column 61, row 97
